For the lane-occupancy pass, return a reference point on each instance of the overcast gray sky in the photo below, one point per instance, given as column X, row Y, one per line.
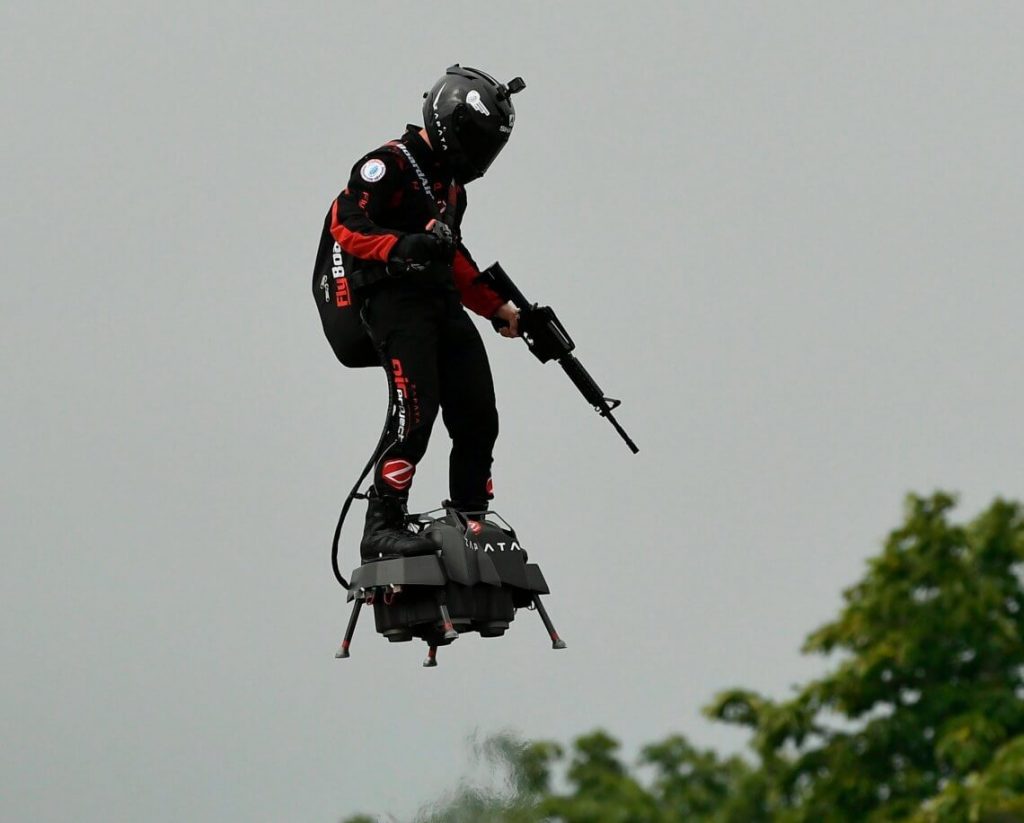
column 787, row 235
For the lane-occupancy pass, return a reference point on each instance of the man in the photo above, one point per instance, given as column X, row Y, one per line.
column 392, row 266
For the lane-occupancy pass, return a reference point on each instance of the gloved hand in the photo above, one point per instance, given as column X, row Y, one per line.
column 417, row 252
column 506, row 320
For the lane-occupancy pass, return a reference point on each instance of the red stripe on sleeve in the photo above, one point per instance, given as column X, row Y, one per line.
column 358, row 244
column 476, row 296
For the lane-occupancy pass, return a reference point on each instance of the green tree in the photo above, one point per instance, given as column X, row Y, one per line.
column 687, row 784
column 929, row 688
column 994, row 795
column 602, row 790
column 518, row 774
column 690, row 784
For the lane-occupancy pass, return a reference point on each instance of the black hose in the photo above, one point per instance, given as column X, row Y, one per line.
column 352, row 495
column 378, row 450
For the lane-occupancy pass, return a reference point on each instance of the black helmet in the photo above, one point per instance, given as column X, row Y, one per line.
column 469, row 116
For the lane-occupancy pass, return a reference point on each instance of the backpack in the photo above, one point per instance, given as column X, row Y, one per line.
column 339, row 309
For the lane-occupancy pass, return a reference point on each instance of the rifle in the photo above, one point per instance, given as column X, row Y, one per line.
column 547, row 338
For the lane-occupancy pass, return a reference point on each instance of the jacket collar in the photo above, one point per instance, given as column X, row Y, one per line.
column 423, row 153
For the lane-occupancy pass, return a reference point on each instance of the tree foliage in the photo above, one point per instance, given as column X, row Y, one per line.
column 930, row 680
column 921, row 719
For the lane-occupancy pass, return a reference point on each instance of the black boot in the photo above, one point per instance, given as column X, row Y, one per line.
column 385, row 532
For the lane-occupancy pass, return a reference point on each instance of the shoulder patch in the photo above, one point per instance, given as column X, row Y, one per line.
column 372, row 170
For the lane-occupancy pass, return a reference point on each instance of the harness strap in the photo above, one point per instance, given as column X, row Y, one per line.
column 448, row 217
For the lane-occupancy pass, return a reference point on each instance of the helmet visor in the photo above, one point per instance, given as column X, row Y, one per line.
column 480, row 144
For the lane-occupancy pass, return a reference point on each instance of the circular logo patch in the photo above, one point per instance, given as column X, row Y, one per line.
column 372, row 170
column 397, row 474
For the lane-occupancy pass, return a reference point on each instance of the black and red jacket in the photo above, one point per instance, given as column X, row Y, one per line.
column 384, row 200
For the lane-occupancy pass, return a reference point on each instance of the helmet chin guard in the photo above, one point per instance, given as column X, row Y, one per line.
column 469, row 117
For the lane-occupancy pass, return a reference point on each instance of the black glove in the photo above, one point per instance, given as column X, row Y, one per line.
column 418, row 252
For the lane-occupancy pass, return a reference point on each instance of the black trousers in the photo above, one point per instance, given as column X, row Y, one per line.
column 435, row 360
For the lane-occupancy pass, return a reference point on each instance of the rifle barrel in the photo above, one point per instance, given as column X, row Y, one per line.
column 622, row 433
column 593, row 394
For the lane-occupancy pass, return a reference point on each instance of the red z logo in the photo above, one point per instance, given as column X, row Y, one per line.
column 397, row 474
